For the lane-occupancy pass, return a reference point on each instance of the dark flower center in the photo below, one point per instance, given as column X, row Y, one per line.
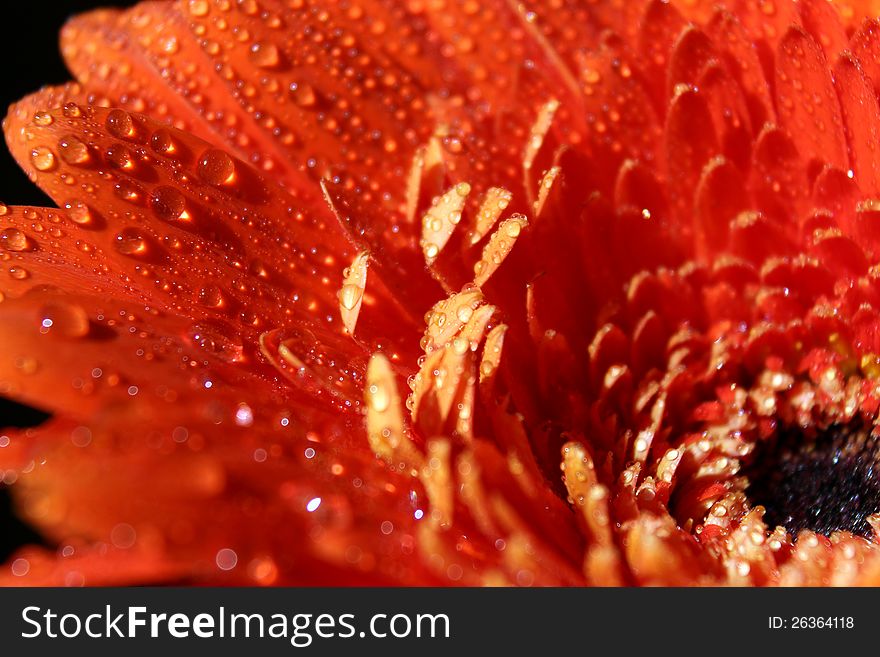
column 825, row 482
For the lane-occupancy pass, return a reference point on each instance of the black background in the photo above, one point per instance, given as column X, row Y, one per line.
column 29, row 59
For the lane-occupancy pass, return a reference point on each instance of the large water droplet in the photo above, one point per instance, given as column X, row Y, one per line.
column 119, row 157
column 78, row 212
column 216, row 167
column 73, row 150
column 128, row 191
column 72, row 111
column 198, row 8
column 65, row 318
column 12, row 239
column 43, row 158
column 43, row 119
column 211, row 296
column 120, row 124
column 303, row 94
column 168, row 203
column 131, row 243
column 162, row 142
column 265, row 55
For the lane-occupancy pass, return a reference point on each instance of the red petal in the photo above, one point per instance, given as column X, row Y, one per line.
column 690, row 142
column 808, row 106
column 861, row 115
column 821, row 19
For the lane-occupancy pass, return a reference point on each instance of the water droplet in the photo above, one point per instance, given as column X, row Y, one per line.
column 119, row 157
column 216, row 167
column 259, row 269
column 18, row 273
column 131, row 243
column 452, row 144
column 198, row 8
column 170, row 45
column 120, row 124
column 303, row 94
column 65, row 318
column 162, row 142
column 73, row 150
column 168, row 203
column 43, row 119
column 265, row 55
column 72, row 111
column 128, row 191
column 43, row 158
column 211, row 296
column 12, row 239
column 219, row 339
column 78, row 212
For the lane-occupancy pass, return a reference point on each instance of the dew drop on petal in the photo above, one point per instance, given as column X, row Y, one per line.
column 131, row 243
column 216, row 167
column 211, row 296
column 217, row 338
column 64, row 318
column 43, row 158
column 72, row 150
column 128, row 191
column 198, row 8
column 78, row 212
column 303, row 94
column 119, row 157
column 43, row 119
column 72, row 110
column 18, row 273
column 162, row 142
column 168, row 203
column 265, row 55
column 12, row 239
column 120, row 124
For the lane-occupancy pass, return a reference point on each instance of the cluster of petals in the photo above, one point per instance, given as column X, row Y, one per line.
column 447, row 292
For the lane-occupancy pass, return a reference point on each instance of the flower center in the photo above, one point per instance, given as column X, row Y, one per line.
column 824, row 482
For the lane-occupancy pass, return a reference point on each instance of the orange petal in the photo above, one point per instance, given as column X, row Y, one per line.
column 190, row 226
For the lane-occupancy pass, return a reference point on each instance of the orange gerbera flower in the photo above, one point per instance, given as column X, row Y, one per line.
column 335, row 288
